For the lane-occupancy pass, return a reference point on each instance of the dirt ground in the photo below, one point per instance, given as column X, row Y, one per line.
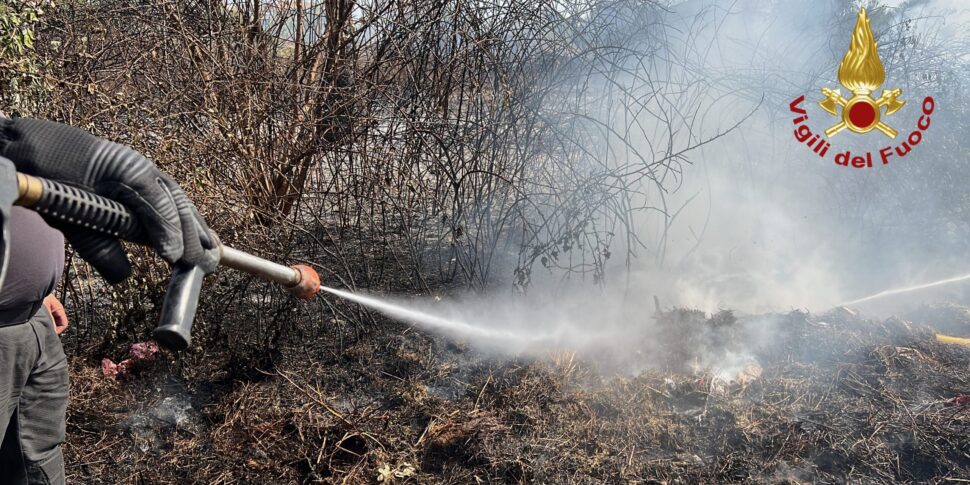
column 835, row 398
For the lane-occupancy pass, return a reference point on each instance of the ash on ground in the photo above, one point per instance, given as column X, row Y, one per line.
column 829, row 398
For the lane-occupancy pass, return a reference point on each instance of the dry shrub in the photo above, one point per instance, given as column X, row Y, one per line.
column 397, row 145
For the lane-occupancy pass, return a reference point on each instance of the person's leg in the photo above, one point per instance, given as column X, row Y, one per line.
column 43, row 405
column 19, row 350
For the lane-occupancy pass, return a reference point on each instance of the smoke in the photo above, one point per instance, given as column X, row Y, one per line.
column 755, row 222
column 770, row 226
column 611, row 329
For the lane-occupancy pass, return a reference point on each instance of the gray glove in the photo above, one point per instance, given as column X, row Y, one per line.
column 70, row 155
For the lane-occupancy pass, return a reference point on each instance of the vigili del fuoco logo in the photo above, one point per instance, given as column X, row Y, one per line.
column 861, row 72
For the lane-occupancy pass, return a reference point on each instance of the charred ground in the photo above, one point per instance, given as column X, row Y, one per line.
column 838, row 398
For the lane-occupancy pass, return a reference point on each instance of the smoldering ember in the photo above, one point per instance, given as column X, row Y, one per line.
column 451, row 242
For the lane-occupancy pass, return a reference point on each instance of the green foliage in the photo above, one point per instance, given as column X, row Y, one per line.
column 17, row 29
column 21, row 86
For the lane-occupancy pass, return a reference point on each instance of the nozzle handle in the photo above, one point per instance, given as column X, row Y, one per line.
column 78, row 207
column 174, row 329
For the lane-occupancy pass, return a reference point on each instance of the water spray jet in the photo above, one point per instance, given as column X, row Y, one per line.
column 908, row 289
column 426, row 319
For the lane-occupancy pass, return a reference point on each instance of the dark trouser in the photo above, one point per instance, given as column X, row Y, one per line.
column 33, row 401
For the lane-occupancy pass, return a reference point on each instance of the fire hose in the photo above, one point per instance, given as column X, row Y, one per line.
column 71, row 205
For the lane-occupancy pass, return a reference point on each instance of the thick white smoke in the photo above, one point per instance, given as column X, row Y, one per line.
column 770, row 225
column 762, row 224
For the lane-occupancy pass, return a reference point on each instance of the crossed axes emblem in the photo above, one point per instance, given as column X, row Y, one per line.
column 861, row 113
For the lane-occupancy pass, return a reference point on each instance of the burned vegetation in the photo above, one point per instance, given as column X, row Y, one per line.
column 427, row 147
column 831, row 398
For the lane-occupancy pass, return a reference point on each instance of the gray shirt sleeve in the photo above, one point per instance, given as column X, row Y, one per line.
column 36, row 259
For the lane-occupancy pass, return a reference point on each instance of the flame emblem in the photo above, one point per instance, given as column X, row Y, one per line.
column 861, row 72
